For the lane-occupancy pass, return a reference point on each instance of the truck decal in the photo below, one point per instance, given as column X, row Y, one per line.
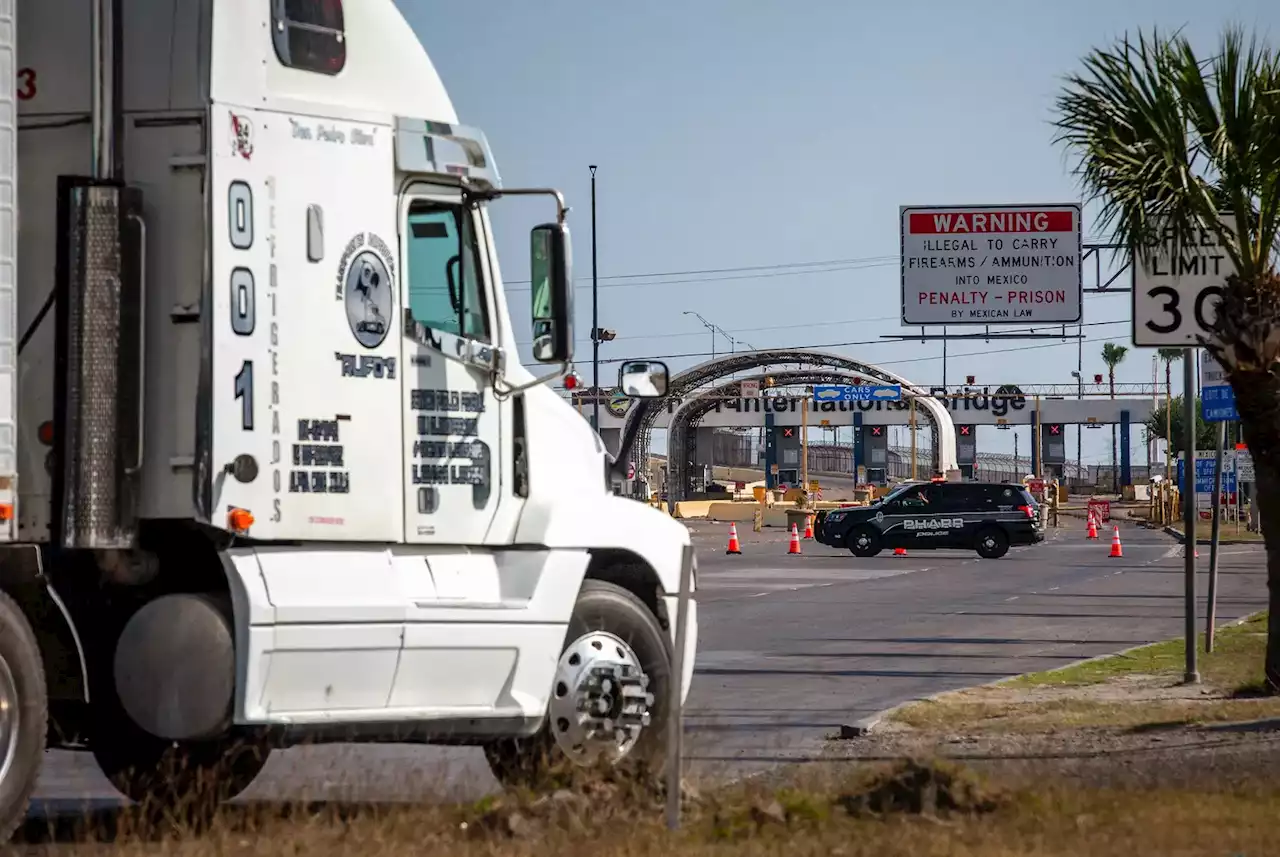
column 27, row 89
column 446, row 460
column 273, row 285
column 241, row 136
column 319, row 448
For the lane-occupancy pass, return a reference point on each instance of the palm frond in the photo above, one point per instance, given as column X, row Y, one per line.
column 1169, row 142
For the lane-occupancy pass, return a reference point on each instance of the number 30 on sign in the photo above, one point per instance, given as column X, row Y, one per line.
column 1175, row 298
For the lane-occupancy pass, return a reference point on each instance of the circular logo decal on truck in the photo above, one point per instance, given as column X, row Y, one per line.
column 367, row 289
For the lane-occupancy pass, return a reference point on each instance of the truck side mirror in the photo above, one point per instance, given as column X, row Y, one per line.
column 552, row 313
column 643, row 379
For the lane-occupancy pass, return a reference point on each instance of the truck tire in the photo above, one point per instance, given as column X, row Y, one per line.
column 24, row 715
column 614, row 623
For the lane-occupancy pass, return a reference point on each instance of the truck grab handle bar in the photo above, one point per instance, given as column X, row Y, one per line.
column 142, row 340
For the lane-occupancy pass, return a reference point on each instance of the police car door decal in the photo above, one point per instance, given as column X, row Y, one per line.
column 451, row 420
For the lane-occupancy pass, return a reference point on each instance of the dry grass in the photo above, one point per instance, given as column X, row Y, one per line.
column 915, row 809
column 1228, row 533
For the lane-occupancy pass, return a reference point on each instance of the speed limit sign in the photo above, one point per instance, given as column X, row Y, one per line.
column 1175, row 297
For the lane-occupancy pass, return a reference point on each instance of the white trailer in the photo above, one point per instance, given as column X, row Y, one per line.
column 270, row 468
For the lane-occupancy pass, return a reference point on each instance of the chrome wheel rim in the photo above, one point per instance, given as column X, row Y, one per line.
column 600, row 701
column 9, row 719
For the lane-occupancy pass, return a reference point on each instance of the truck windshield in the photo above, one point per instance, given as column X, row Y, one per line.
column 443, row 293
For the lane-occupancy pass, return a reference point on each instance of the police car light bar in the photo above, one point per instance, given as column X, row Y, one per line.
column 418, row 150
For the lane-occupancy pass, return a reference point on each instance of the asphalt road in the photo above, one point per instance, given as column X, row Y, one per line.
column 792, row 647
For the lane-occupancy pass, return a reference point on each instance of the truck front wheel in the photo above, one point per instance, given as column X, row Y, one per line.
column 609, row 699
column 24, row 710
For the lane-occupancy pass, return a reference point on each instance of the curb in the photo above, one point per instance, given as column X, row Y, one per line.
column 864, row 726
column 1180, row 539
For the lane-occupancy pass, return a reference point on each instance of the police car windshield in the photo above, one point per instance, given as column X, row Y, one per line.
column 899, row 491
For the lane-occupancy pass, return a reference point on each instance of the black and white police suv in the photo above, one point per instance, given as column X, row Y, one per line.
column 988, row 517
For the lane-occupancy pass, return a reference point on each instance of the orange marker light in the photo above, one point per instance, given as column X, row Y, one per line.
column 239, row 520
column 6, row 512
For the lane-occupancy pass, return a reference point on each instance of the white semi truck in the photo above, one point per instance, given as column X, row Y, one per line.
column 271, row 471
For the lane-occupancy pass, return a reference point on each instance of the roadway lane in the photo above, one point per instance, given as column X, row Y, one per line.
column 793, row 647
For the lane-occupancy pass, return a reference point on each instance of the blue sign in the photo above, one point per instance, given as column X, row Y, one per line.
column 859, row 393
column 1204, row 475
column 1218, row 404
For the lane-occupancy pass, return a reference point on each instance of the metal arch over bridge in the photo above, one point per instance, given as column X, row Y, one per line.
column 687, row 416
column 823, row 367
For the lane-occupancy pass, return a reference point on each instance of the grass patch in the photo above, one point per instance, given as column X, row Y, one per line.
column 1132, row 691
column 917, row 809
column 1236, row 661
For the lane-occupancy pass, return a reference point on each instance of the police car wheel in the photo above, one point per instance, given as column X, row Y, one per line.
column 992, row 543
column 864, row 542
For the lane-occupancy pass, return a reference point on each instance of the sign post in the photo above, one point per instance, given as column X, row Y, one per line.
column 1211, row 607
column 1176, row 289
column 1217, row 405
column 1192, row 671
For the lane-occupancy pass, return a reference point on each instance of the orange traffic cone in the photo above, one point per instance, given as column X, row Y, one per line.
column 1093, row 529
column 734, row 547
column 808, row 527
column 899, row 551
column 1115, row 544
column 795, row 541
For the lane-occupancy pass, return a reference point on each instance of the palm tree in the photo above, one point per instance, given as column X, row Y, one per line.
column 1173, row 143
column 1168, row 356
column 1113, row 355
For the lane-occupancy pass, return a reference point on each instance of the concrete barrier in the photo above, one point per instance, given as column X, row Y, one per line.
column 695, row 508
column 739, row 513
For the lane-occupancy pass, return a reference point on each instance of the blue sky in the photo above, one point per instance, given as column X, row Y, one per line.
column 757, row 133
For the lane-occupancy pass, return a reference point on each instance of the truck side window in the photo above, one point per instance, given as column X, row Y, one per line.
column 433, row 270
column 309, row 34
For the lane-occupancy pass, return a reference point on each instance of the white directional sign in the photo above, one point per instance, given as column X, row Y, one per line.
column 1175, row 298
column 1244, row 466
column 991, row 264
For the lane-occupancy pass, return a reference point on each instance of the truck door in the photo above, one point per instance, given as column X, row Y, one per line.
column 452, row 422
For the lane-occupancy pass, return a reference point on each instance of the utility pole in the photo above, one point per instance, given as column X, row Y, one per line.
column 595, row 313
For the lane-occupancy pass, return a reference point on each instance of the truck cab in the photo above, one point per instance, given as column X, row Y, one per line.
column 271, row 470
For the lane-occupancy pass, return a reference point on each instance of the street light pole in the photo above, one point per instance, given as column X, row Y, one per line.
column 595, row 313
column 1079, row 427
column 709, row 326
